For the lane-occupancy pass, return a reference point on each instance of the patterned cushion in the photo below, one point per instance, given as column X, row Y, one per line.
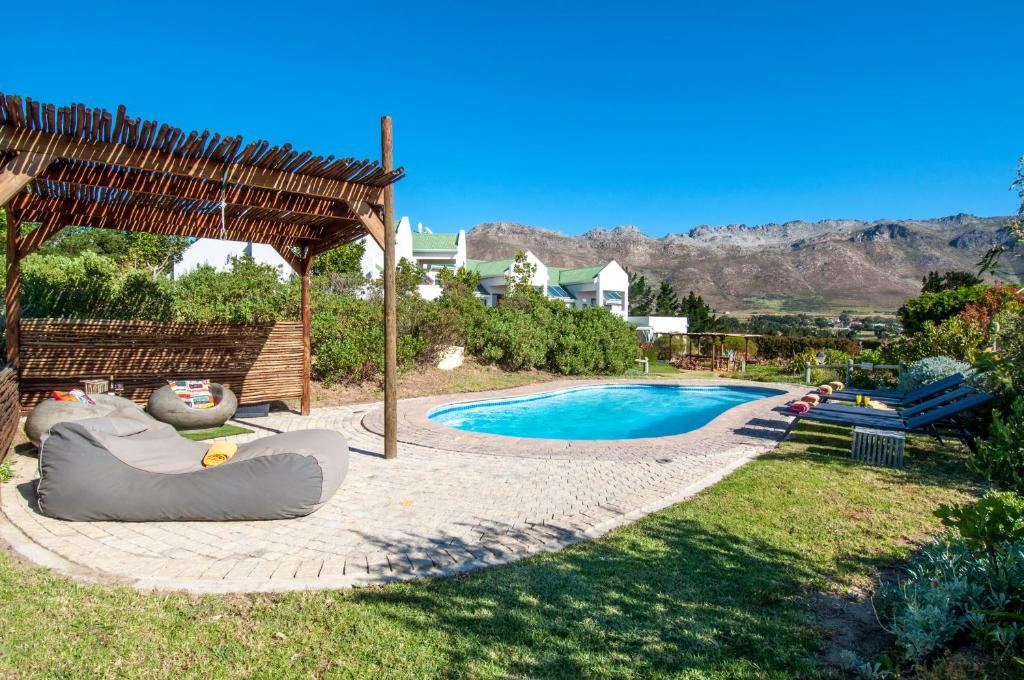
column 195, row 393
column 74, row 395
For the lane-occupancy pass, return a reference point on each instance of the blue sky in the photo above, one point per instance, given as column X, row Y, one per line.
column 575, row 115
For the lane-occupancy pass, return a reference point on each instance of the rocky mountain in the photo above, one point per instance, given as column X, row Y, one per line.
column 792, row 267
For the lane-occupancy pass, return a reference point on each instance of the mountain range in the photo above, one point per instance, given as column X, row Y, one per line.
column 869, row 266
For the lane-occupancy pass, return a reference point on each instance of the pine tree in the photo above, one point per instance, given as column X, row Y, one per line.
column 666, row 303
column 641, row 297
column 700, row 317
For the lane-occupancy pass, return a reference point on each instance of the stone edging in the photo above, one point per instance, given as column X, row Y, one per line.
column 415, row 428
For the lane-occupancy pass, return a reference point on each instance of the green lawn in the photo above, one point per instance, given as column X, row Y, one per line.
column 720, row 586
column 226, row 430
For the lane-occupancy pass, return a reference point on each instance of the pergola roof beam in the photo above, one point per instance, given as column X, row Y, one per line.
column 155, row 184
column 58, row 146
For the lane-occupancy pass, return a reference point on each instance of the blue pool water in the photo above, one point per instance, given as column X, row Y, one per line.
column 600, row 412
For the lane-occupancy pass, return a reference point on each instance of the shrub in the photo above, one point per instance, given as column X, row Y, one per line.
column 929, row 370
column 785, row 346
column 515, row 337
column 90, row 286
column 989, row 525
column 248, row 292
column 951, row 590
column 937, row 307
column 591, row 340
column 951, row 338
column 1000, row 456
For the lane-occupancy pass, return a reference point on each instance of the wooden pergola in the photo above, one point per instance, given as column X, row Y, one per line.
column 79, row 166
column 719, row 338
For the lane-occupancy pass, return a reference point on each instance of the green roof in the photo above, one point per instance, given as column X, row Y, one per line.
column 488, row 268
column 565, row 277
column 435, row 241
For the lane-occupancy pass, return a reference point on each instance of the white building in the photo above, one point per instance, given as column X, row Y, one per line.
column 604, row 285
column 431, row 252
column 217, row 254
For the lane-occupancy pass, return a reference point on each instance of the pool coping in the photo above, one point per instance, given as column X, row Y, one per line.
column 414, row 427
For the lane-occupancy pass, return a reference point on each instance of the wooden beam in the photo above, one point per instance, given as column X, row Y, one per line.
column 43, row 233
column 390, row 316
column 160, row 220
column 60, row 146
column 235, row 232
column 13, row 294
column 307, row 352
column 289, row 256
column 142, row 182
column 337, row 238
column 29, row 205
column 18, row 172
column 366, row 215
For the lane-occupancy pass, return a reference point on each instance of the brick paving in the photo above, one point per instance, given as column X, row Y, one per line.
column 451, row 502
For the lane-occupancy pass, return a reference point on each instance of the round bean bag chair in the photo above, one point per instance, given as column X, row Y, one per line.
column 130, row 467
column 50, row 412
column 167, row 407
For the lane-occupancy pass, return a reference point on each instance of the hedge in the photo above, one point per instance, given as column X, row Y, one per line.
column 785, row 346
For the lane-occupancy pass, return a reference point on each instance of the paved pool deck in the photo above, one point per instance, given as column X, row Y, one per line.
column 451, row 502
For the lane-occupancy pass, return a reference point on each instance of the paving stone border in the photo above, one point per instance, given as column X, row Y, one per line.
column 756, row 418
column 434, row 511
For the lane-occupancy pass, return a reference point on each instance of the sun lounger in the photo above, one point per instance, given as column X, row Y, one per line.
column 910, row 411
column 938, row 422
column 898, row 398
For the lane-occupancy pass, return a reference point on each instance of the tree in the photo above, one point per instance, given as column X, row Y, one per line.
column 344, row 261
column 156, row 253
column 935, row 282
column 700, row 316
column 641, row 297
column 519, row 290
column 666, row 303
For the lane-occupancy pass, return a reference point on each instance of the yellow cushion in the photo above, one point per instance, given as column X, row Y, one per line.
column 219, row 452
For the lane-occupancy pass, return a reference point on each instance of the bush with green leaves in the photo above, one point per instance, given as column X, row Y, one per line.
column 930, row 369
column 937, row 307
column 591, row 340
column 248, row 292
column 953, row 589
column 514, row 337
column 94, row 286
column 787, row 346
column 1000, row 456
column 952, row 338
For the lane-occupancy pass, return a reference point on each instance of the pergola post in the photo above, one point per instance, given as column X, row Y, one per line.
column 307, row 352
column 13, row 297
column 390, row 320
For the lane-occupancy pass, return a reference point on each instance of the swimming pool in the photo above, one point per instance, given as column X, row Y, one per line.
column 600, row 411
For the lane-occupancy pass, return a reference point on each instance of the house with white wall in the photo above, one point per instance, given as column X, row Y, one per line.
column 217, row 253
column 430, row 251
column 605, row 285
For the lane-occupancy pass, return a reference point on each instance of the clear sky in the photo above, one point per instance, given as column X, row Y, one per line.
column 575, row 115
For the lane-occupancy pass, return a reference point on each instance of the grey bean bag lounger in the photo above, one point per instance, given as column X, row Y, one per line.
column 127, row 466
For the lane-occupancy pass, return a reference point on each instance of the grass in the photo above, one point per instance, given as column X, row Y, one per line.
column 222, row 431
column 720, row 586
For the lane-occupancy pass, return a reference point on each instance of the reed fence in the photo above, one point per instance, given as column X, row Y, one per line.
column 9, row 412
column 259, row 362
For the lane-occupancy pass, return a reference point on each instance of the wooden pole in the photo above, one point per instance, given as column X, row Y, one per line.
column 13, row 299
column 390, row 320
column 307, row 351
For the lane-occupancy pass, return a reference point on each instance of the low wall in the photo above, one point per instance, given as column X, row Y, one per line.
column 259, row 362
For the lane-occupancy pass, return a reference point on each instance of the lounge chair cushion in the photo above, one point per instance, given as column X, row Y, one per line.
column 91, row 470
